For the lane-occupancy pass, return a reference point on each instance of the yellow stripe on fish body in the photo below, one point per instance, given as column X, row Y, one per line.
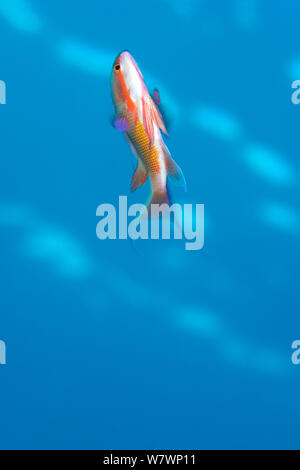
column 149, row 154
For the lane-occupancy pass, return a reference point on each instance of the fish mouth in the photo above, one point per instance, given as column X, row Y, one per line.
column 128, row 63
column 126, row 59
column 125, row 54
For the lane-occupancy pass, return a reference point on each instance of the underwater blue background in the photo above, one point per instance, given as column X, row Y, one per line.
column 115, row 345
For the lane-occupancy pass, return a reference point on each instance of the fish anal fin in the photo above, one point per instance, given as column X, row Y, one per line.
column 173, row 170
column 139, row 176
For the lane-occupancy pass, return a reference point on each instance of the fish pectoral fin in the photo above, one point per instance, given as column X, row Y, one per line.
column 121, row 124
column 173, row 170
column 139, row 176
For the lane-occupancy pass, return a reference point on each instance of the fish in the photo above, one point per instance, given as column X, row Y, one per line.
column 138, row 117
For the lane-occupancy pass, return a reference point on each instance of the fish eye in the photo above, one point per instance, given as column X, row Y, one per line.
column 117, row 67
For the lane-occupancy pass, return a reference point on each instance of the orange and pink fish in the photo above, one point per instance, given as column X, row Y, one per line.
column 139, row 118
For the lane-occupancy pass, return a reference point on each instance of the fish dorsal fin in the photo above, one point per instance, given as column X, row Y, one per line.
column 156, row 97
column 151, row 114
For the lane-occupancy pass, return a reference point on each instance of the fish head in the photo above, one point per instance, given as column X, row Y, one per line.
column 127, row 79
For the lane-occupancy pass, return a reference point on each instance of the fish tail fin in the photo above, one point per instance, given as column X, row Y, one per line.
column 158, row 197
column 163, row 199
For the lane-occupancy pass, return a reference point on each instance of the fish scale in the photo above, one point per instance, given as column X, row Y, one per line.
column 149, row 154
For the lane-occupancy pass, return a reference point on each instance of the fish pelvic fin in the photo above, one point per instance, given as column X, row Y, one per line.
column 139, row 176
column 173, row 170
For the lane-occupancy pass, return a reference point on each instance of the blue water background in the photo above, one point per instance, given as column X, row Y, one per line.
column 116, row 346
